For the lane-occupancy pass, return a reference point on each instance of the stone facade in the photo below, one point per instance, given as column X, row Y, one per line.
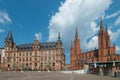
column 35, row 56
column 104, row 53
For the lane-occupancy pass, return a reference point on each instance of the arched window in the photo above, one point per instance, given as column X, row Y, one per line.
column 41, row 64
column 8, row 65
column 30, row 64
column 26, row 54
column 35, row 64
column 26, row 64
column 26, row 58
column 53, row 63
column 107, row 59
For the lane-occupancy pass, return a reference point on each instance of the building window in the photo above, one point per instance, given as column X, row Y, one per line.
column 35, row 64
column 41, row 64
column 8, row 59
column 30, row 58
column 19, row 59
column 107, row 59
column 49, row 58
column 26, row 64
column 36, row 47
column 53, row 52
column 26, row 59
column 19, row 54
column 53, row 63
column 36, row 54
column 23, row 54
column 30, row 54
column 30, row 64
column 41, row 58
column 45, row 58
column 41, row 53
column 14, row 59
column 114, row 59
column 35, row 58
column 14, row 54
column 26, row 54
column 23, row 59
column 53, row 58
column 49, row 52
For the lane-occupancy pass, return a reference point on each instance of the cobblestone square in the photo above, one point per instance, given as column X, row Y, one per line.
column 51, row 76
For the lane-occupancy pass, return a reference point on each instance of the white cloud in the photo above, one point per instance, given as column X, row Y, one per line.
column 118, row 49
column 4, row 17
column 117, row 22
column 113, row 15
column 93, row 43
column 80, row 13
column 114, row 35
column 1, row 30
column 38, row 36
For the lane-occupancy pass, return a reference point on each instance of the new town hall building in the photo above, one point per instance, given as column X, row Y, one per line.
column 104, row 56
column 35, row 56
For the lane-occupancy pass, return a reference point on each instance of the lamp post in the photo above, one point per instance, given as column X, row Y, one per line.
column 4, row 63
column 81, row 63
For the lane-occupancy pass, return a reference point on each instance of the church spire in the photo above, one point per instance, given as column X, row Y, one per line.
column 101, row 24
column 76, row 35
column 106, row 29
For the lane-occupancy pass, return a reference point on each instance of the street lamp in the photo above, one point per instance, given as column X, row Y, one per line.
column 81, row 60
column 3, row 63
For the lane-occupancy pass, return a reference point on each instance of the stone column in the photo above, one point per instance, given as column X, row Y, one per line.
column 101, row 71
column 113, row 69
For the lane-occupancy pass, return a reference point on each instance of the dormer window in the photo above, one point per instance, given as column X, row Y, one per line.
column 36, row 47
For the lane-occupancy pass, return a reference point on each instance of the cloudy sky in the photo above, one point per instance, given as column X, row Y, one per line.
column 43, row 19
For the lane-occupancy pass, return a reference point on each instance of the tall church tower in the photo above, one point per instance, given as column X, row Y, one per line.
column 75, row 53
column 104, row 46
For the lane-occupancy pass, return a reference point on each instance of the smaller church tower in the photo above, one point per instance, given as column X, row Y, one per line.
column 60, row 53
column 9, row 42
column 8, row 46
column 75, row 53
column 59, row 42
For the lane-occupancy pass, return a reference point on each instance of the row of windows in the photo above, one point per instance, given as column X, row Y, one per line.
column 35, row 59
column 30, row 54
column 40, row 65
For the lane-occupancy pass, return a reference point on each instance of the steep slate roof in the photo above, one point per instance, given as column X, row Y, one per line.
column 9, row 37
column 24, row 47
column 43, row 46
column 48, row 45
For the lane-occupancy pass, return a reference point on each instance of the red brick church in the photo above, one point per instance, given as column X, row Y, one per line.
column 105, row 54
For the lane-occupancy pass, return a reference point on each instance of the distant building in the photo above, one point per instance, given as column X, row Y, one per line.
column 35, row 56
column 1, row 57
column 105, row 55
column 67, row 67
